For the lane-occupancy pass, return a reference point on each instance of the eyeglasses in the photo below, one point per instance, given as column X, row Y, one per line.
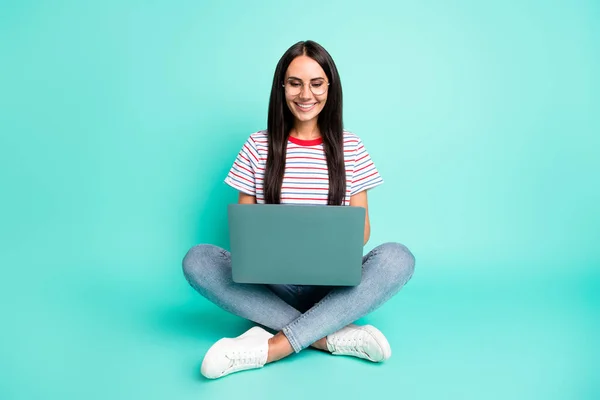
column 293, row 87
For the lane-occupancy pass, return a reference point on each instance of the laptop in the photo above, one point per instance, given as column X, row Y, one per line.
column 296, row 244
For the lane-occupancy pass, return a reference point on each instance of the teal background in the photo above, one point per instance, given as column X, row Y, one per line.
column 119, row 121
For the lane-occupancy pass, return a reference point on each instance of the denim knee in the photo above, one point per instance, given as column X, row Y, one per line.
column 398, row 262
column 196, row 263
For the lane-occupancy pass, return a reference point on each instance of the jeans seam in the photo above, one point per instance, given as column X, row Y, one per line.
column 292, row 339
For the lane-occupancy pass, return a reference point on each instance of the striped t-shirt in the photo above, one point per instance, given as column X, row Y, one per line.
column 305, row 180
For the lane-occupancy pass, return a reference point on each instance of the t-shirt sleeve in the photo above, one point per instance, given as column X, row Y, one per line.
column 242, row 175
column 365, row 176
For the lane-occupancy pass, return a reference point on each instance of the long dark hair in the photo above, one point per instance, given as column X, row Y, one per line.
column 281, row 121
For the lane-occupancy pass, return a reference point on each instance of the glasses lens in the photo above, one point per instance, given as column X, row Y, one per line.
column 293, row 88
column 318, row 87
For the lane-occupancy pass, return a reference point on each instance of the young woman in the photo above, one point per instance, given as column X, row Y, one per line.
column 304, row 157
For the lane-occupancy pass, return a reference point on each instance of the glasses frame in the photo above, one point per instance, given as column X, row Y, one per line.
column 309, row 87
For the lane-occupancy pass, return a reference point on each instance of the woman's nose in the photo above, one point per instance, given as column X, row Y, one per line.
column 305, row 92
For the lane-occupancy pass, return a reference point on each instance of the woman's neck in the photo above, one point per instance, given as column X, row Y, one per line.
column 307, row 130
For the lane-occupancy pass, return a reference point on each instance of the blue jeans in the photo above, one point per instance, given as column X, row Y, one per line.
column 305, row 314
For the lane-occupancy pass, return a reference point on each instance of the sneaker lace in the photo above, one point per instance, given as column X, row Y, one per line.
column 351, row 342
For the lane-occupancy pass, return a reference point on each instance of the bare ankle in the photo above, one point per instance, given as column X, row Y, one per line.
column 320, row 344
column 279, row 347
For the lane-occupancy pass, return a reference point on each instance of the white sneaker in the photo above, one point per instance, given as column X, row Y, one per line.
column 229, row 355
column 359, row 341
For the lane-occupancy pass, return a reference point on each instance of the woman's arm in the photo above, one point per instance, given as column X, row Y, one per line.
column 246, row 199
column 360, row 200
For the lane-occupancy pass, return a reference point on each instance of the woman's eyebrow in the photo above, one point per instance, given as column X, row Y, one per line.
column 298, row 79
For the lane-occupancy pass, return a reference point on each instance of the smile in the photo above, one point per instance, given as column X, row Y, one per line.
column 305, row 107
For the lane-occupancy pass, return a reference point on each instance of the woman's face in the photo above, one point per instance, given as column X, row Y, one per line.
column 303, row 74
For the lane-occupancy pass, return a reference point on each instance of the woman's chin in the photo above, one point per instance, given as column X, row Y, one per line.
column 301, row 117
